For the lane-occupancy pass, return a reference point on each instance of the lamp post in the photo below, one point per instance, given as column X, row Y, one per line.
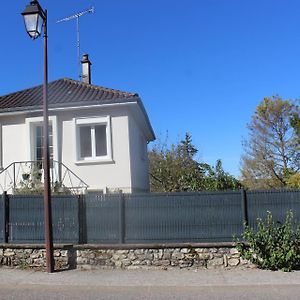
column 35, row 19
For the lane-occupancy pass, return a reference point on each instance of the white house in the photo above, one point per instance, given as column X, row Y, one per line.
column 99, row 135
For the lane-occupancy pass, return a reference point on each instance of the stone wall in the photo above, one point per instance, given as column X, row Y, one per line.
column 126, row 257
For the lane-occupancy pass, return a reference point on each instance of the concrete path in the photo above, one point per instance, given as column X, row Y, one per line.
column 150, row 284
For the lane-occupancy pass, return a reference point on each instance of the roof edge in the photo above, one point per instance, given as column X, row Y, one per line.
column 40, row 86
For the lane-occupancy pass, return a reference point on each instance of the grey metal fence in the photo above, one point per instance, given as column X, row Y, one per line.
column 182, row 217
column 101, row 220
column 2, row 223
column 143, row 218
column 26, row 219
column 278, row 202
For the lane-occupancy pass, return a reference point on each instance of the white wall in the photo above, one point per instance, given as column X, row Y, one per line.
column 14, row 140
column 138, row 157
column 128, row 170
column 111, row 175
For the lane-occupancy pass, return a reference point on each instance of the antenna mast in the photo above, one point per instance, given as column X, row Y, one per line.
column 77, row 16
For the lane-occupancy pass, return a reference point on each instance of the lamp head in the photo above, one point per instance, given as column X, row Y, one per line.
column 34, row 18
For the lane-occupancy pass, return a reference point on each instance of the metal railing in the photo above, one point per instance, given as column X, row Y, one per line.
column 27, row 176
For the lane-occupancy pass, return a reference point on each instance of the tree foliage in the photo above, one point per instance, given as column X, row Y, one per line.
column 295, row 122
column 272, row 150
column 273, row 246
column 175, row 169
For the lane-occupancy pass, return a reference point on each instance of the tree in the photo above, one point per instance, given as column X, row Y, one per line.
column 294, row 181
column 272, row 150
column 175, row 169
column 217, row 179
column 295, row 122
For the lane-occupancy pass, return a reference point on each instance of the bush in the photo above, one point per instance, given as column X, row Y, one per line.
column 273, row 246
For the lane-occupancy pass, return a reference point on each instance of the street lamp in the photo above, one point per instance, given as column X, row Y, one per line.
column 35, row 19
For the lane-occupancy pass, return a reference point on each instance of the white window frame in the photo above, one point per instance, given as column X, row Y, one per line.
column 31, row 123
column 93, row 121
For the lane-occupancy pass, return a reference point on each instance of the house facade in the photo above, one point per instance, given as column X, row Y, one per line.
column 99, row 135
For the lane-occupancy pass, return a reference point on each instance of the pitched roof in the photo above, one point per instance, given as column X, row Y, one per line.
column 64, row 93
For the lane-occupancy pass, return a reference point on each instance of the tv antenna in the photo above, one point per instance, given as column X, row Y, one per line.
column 77, row 16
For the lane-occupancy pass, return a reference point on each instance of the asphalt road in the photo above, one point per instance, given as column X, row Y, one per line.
column 150, row 284
column 42, row 292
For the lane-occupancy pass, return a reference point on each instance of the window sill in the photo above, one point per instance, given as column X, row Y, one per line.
column 95, row 161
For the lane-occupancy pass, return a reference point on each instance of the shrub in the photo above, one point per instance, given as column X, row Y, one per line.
column 273, row 246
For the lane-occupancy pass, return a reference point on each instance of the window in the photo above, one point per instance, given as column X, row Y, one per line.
column 93, row 139
column 38, row 142
column 35, row 137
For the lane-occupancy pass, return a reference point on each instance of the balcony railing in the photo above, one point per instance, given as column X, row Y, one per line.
column 27, row 177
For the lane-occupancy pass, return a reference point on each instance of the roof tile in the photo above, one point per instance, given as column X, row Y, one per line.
column 63, row 92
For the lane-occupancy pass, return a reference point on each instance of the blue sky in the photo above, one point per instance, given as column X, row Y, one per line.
column 199, row 65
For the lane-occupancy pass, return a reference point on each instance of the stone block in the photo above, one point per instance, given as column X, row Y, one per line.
column 122, row 251
column 199, row 263
column 103, row 255
column 119, row 256
column 148, row 262
column 91, row 255
column 225, row 258
column 39, row 262
column 82, row 260
column 233, row 262
column 201, row 250
column 9, row 253
column 191, row 256
column 35, row 255
column 185, row 263
column 175, row 263
column 177, row 255
column 109, row 264
column 217, row 254
column 185, row 250
column 216, row 262
column 132, row 256
column 126, row 262
column 205, row 256
column 138, row 263
column 118, row 264
column 159, row 254
column 161, row 263
column 64, row 253
column 167, row 255
column 234, row 251
column 100, row 262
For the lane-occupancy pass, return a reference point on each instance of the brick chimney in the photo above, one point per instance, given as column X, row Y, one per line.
column 86, row 69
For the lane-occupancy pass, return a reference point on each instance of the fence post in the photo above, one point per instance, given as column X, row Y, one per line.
column 121, row 218
column 82, row 239
column 14, row 171
column 244, row 206
column 5, row 217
